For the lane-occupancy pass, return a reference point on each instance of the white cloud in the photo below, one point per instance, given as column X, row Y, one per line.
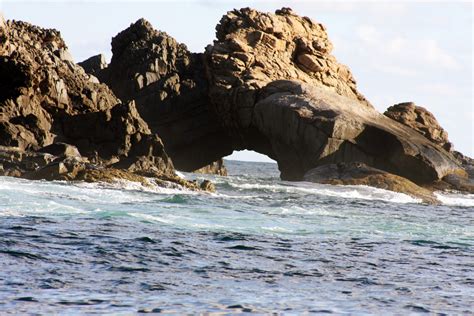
column 396, row 70
column 440, row 89
column 437, row 56
column 368, row 34
column 389, row 53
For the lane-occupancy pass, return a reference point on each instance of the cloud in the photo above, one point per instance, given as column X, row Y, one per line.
column 368, row 34
column 403, row 52
column 440, row 89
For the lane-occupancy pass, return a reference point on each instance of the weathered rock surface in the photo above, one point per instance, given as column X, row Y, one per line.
column 169, row 87
column 217, row 167
column 268, row 83
column 50, row 105
column 361, row 174
column 421, row 120
column 254, row 48
column 94, row 64
column 322, row 127
column 318, row 117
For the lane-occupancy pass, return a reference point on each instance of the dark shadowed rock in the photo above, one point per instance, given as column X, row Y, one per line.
column 169, row 87
column 61, row 150
column 361, row 174
column 50, row 104
column 93, row 65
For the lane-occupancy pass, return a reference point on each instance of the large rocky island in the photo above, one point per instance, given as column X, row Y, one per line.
column 268, row 83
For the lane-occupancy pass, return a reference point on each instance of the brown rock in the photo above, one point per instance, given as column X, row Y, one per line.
column 48, row 102
column 361, row 174
column 217, row 167
column 322, row 127
column 93, row 65
column 421, row 120
column 61, row 150
column 207, row 185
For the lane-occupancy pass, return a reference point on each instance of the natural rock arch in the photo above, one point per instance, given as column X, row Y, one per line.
column 269, row 84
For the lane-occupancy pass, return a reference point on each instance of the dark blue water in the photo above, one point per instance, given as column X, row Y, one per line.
column 259, row 245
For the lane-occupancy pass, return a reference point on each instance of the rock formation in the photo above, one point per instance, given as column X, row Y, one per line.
column 361, row 174
column 268, row 83
column 421, row 120
column 169, row 87
column 45, row 99
column 318, row 117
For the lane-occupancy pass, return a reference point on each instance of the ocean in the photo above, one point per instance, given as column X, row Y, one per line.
column 258, row 245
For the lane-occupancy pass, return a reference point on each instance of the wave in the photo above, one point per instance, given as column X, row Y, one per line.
column 347, row 192
column 455, row 199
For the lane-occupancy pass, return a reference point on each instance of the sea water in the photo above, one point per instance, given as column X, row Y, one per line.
column 258, row 245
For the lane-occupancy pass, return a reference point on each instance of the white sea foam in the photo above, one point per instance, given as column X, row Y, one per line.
column 455, row 199
column 180, row 174
column 349, row 191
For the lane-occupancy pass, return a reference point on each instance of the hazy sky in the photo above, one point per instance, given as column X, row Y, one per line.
column 398, row 51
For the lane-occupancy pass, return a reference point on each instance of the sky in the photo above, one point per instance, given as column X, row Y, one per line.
column 398, row 51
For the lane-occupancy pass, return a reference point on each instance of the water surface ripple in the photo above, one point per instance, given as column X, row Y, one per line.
column 259, row 245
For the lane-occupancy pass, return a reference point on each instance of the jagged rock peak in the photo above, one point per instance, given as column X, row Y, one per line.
column 139, row 33
column 266, row 47
column 421, row 120
column 254, row 48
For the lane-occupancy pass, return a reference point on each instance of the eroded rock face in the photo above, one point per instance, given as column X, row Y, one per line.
column 169, row 87
column 254, row 48
column 421, row 120
column 94, row 65
column 46, row 100
column 318, row 117
column 40, row 84
column 323, row 127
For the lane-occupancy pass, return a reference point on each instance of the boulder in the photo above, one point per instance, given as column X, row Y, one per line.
column 217, row 167
column 61, row 150
column 421, row 120
column 207, row 185
column 361, row 174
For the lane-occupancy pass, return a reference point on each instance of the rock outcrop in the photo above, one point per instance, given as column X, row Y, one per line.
column 58, row 122
column 94, row 65
column 268, row 83
column 169, row 87
column 217, row 167
column 322, row 127
column 318, row 117
column 421, row 120
column 361, row 174
column 254, row 48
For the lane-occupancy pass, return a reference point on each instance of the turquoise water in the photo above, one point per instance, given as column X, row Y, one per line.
column 259, row 245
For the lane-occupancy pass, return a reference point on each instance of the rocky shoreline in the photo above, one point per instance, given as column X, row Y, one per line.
column 268, row 83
